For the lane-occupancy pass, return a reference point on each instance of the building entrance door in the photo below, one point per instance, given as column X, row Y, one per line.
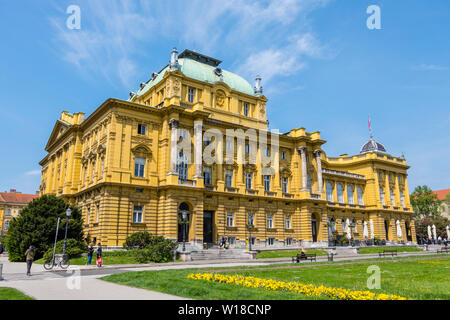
column 314, row 227
column 208, row 226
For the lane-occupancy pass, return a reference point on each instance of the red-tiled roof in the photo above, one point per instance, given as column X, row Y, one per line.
column 441, row 193
column 17, row 197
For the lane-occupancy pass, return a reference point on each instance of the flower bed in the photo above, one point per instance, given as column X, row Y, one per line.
column 306, row 289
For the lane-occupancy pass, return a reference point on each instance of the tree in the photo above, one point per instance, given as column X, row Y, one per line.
column 425, row 203
column 439, row 222
column 36, row 226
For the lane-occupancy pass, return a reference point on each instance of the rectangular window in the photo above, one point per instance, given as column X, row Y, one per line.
column 360, row 196
column 350, row 195
column 283, row 155
column 207, row 175
column 6, row 225
column 139, row 190
column 267, row 183
column 142, row 129
column 251, row 219
column 247, row 148
column 98, row 213
column 289, row 241
column 8, row 212
column 284, row 184
column 392, row 197
column 229, row 145
column 103, row 165
column 382, row 195
column 137, row 214
column 191, row 92
column 267, row 152
column 230, row 219
column 340, row 193
column 248, row 180
column 270, row 221
column 139, row 167
column 88, row 215
column 228, row 178
column 402, row 198
column 271, row 241
column 287, row 221
column 246, row 109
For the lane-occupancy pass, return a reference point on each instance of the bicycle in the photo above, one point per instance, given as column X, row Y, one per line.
column 60, row 260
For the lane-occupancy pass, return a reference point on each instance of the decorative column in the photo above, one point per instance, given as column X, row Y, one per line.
column 317, row 154
column 302, row 152
column 198, row 127
column 173, row 125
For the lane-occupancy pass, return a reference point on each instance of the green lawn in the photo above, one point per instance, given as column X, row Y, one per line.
column 109, row 258
column 416, row 278
column 286, row 253
column 12, row 294
column 380, row 249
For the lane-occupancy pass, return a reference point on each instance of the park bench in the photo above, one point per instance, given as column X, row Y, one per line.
column 386, row 252
column 307, row 256
column 444, row 250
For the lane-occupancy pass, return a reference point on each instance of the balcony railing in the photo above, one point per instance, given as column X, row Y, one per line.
column 343, row 173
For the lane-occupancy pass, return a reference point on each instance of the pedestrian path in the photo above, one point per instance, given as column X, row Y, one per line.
column 83, row 288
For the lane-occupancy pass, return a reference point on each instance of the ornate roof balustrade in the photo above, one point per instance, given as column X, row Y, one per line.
column 343, row 173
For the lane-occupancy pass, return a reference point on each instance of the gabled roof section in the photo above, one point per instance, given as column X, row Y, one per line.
column 60, row 127
column 19, row 198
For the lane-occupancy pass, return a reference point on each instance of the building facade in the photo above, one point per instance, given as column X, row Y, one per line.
column 10, row 205
column 137, row 165
column 444, row 210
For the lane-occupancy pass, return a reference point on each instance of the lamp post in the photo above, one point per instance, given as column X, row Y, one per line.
column 184, row 216
column 250, row 227
column 68, row 213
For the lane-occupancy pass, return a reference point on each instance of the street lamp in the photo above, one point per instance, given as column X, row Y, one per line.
column 68, row 213
column 184, row 218
column 250, row 227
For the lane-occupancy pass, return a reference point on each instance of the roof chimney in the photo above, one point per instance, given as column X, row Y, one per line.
column 173, row 64
column 258, row 88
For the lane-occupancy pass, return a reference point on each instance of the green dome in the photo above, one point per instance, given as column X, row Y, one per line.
column 202, row 72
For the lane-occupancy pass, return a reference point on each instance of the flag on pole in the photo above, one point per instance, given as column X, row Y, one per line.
column 369, row 125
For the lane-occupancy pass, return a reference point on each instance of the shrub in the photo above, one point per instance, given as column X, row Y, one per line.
column 158, row 252
column 74, row 248
column 36, row 226
column 137, row 240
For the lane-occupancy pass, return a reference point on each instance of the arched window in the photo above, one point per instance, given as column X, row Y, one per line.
column 329, row 188
column 340, row 193
column 350, row 194
column 359, row 190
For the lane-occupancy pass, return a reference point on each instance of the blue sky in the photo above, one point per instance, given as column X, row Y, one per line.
column 322, row 69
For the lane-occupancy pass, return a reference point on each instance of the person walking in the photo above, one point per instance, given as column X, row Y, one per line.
column 1, row 248
column 90, row 253
column 99, row 254
column 29, row 254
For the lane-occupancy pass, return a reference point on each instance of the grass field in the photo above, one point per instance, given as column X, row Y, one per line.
column 109, row 258
column 286, row 253
column 380, row 249
column 416, row 278
column 12, row 294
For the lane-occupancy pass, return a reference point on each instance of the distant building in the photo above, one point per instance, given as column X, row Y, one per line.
column 445, row 208
column 10, row 205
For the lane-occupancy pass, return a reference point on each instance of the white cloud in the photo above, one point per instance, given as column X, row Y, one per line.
column 274, row 32
column 430, row 67
column 33, row 172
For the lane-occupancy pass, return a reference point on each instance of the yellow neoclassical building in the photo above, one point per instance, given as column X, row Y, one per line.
column 139, row 164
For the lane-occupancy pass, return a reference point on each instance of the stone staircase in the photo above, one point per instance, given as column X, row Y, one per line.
column 220, row 254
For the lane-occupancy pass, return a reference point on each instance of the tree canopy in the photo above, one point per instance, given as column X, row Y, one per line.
column 36, row 225
column 425, row 203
